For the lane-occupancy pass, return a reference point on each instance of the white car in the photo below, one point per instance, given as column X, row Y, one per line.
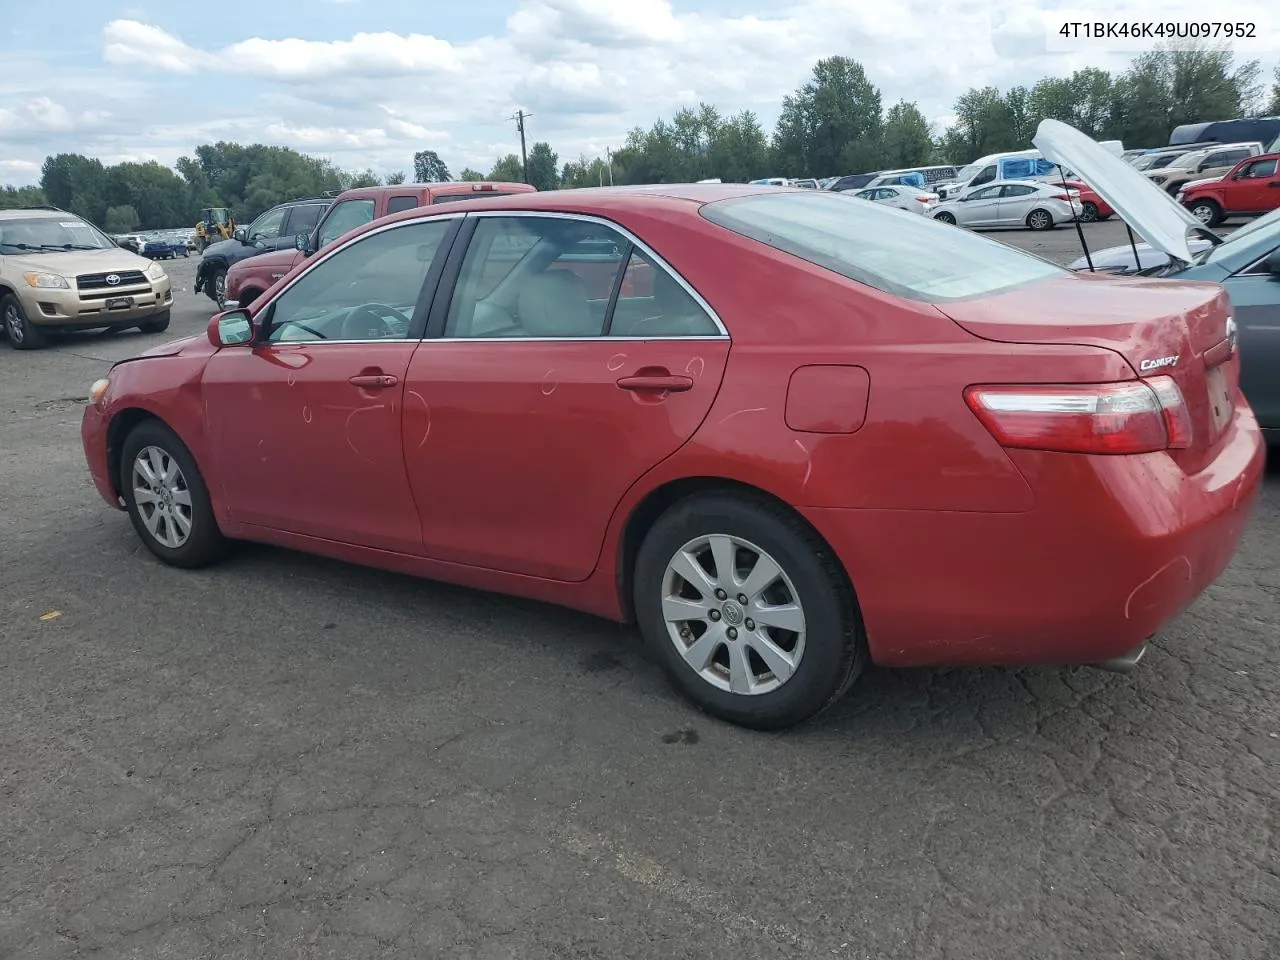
column 912, row 199
column 1011, row 203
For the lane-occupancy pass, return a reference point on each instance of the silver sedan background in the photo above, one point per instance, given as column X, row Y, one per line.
column 911, row 199
column 1011, row 203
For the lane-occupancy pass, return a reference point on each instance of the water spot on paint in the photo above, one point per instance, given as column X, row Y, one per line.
column 616, row 362
column 549, row 383
column 306, row 414
column 695, row 367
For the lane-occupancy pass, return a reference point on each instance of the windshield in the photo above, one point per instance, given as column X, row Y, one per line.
column 1187, row 161
column 880, row 246
column 968, row 173
column 50, row 234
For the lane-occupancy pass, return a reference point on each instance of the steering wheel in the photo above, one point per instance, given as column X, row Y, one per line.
column 369, row 322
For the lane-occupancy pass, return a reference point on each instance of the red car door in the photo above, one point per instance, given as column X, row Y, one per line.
column 305, row 423
column 1257, row 189
column 538, row 406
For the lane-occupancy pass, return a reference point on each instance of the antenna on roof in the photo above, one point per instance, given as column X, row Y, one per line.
column 1079, row 229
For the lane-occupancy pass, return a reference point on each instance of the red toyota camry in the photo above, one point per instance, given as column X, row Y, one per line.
column 789, row 433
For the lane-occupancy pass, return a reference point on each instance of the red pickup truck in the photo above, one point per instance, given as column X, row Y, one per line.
column 1252, row 187
column 249, row 279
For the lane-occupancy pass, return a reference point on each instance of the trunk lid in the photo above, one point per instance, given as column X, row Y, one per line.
column 1170, row 328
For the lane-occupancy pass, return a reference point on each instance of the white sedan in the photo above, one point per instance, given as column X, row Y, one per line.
column 1011, row 203
column 912, row 199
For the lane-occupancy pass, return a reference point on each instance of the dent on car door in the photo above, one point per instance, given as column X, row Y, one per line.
column 305, row 423
column 550, row 387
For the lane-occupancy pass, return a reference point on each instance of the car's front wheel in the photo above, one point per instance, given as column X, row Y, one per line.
column 1207, row 212
column 1088, row 212
column 167, row 499
column 747, row 610
column 22, row 333
column 1040, row 219
column 215, row 285
column 945, row 217
column 157, row 324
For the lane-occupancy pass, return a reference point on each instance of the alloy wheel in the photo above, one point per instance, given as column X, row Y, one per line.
column 733, row 614
column 13, row 324
column 162, row 497
column 1203, row 213
column 1039, row 220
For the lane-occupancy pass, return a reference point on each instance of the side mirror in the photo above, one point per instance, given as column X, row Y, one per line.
column 302, row 241
column 241, row 234
column 231, row 329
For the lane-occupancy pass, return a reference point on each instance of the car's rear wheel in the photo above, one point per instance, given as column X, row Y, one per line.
column 1207, row 212
column 167, row 499
column 747, row 610
column 1039, row 219
column 157, row 324
column 1088, row 212
column 22, row 333
column 945, row 217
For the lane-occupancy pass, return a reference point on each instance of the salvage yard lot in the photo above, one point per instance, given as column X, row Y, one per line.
column 287, row 757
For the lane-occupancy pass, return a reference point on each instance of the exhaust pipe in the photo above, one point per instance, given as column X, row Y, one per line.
column 1126, row 662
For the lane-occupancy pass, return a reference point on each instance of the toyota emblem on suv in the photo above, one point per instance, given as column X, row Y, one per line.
column 113, row 278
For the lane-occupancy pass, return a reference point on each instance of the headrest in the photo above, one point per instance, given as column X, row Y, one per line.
column 554, row 304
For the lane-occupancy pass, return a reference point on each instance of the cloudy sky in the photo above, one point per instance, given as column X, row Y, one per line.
column 368, row 82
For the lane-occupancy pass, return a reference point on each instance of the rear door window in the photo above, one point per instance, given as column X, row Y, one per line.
column 397, row 204
column 303, row 219
column 876, row 246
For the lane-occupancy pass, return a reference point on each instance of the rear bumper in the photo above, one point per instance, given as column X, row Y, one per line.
column 93, row 436
column 1114, row 549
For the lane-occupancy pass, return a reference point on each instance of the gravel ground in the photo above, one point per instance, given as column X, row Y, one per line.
column 284, row 757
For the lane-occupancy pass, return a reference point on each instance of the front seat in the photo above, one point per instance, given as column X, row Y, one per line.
column 557, row 304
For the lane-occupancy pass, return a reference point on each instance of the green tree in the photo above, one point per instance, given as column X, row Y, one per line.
column 75, row 183
column 429, row 168
column 122, row 219
column 12, row 198
column 469, row 174
column 740, row 149
column 1274, row 106
column 907, row 142
column 584, row 173
column 543, row 174
column 508, row 169
column 831, row 124
column 395, row 178
column 365, row 178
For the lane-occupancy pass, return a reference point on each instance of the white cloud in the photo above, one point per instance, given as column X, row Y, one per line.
column 588, row 71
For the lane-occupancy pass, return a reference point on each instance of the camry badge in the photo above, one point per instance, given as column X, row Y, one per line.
column 1156, row 364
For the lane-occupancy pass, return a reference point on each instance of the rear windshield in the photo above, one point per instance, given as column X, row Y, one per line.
column 904, row 254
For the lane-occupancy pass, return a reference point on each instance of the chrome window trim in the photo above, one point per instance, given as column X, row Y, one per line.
column 430, row 215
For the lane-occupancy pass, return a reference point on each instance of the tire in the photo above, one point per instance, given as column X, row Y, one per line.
column 945, row 217
column 159, row 446
column 1040, row 219
column 21, row 333
column 1088, row 212
column 1206, row 211
column 247, row 297
column 831, row 643
column 157, row 324
column 215, row 285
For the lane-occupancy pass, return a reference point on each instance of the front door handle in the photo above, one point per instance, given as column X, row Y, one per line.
column 373, row 381
column 669, row 383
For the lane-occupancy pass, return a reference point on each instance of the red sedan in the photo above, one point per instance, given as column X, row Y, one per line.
column 770, row 432
column 1092, row 206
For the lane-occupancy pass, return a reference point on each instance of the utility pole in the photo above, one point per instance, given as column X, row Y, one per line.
column 520, row 118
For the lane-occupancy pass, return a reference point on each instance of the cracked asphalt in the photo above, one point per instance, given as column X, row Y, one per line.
column 285, row 757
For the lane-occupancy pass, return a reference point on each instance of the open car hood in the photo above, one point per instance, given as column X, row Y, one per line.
column 1154, row 214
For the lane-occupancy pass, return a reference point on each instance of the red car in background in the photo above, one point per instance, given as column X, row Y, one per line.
column 791, row 447
column 1092, row 206
column 1251, row 188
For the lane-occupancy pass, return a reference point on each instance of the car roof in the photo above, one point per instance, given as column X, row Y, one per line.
column 28, row 213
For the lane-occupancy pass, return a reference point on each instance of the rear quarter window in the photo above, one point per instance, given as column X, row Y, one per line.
column 908, row 256
column 397, row 204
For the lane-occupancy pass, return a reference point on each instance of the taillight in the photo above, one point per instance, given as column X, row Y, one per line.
column 1107, row 418
column 1063, row 196
column 925, row 199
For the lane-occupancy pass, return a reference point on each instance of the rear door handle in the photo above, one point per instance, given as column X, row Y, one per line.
column 669, row 383
column 373, row 381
